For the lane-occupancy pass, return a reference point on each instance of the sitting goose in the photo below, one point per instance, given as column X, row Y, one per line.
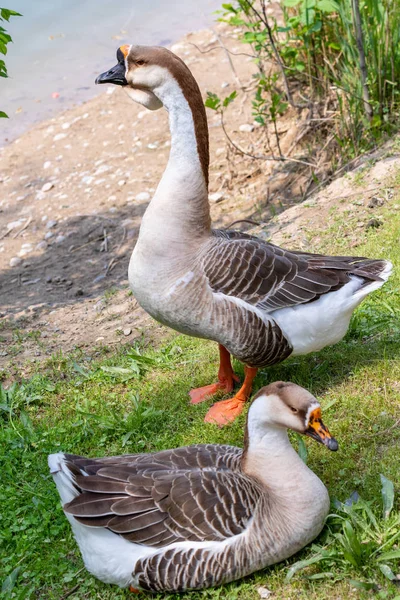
column 202, row 515
column 261, row 303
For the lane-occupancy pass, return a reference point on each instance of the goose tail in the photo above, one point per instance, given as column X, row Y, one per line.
column 63, row 477
column 377, row 270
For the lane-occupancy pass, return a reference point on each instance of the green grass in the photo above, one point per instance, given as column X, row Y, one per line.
column 129, row 403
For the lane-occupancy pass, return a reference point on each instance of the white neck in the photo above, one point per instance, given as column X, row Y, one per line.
column 179, row 208
column 271, row 458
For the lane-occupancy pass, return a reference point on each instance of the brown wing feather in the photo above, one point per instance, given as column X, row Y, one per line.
column 158, row 507
column 270, row 277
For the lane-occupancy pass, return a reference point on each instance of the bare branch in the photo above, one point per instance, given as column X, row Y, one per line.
column 262, row 156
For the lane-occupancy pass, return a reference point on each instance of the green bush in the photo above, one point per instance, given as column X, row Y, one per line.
column 5, row 38
column 335, row 61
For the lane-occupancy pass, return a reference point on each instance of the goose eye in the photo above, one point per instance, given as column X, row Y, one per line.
column 140, row 62
column 294, row 410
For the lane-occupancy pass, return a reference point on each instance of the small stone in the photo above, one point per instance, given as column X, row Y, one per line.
column 25, row 249
column 100, row 339
column 47, row 164
column 48, row 235
column 142, row 197
column 99, row 306
column 13, row 225
column 47, row 186
column 15, row 261
column 59, row 136
column 49, row 279
column 87, row 180
column 102, row 169
column 79, row 292
column 375, row 201
column 264, row 592
column 121, row 182
column 219, row 151
column 65, row 126
column 216, row 197
column 224, row 84
column 99, row 278
column 153, row 146
column 246, row 127
column 50, row 224
column 127, row 223
column 60, row 239
column 127, row 331
column 373, row 224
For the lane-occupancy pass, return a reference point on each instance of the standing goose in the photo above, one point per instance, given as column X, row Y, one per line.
column 202, row 515
column 261, row 303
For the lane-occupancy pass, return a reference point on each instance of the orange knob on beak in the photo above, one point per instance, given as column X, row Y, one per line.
column 319, row 432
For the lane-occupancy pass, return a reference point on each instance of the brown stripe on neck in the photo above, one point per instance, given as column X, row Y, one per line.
column 167, row 59
column 193, row 97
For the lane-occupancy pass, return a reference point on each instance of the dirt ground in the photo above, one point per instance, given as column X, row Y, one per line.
column 73, row 191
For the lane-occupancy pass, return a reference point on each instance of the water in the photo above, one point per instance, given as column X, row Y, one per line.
column 60, row 46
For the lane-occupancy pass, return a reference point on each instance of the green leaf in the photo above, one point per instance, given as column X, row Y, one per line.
column 389, row 555
column 291, row 3
column 212, row 101
column 387, row 492
column 363, row 585
column 3, row 115
column 302, row 564
column 6, row 13
column 325, row 575
column 10, row 581
column 328, row 6
column 376, row 121
column 302, row 450
column 229, row 8
column 387, row 571
column 317, row 26
column 26, row 422
column 307, row 16
column 125, row 374
column 4, row 37
column 229, row 99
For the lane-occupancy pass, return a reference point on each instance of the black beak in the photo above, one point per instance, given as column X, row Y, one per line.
column 116, row 75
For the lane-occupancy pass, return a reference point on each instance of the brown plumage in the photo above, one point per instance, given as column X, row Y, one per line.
column 200, row 515
column 260, row 303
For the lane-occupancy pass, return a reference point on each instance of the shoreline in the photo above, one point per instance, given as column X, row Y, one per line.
column 68, row 48
column 72, row 193
column 73, row 190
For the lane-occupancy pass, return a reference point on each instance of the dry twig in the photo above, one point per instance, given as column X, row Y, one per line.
column 23, row 228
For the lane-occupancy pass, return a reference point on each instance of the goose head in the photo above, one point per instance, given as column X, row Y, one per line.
column 144, row 71
column 285, row 405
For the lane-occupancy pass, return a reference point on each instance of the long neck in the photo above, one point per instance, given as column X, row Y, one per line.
column 180, row 203
column 270, row 457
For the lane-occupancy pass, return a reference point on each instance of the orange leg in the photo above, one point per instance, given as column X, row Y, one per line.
column 226, row 379
column 226, row 411
column 134, row 590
